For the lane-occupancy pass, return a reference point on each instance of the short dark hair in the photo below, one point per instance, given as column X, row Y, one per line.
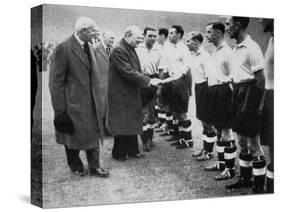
column 195, row 35
column 148, row 28
column 179, row 29
column 163, row 31
column 244, row 21
column 217, row 25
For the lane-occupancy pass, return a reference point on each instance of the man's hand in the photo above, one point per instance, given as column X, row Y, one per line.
column 155, row 82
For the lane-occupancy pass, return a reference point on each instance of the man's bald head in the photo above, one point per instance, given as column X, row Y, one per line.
column 132, row 36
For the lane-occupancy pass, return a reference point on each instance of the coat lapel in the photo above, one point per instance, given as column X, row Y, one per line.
column 79, row 52
column 96, row 90
column 102, row 51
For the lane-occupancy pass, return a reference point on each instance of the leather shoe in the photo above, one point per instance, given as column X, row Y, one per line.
column 183, row 145
column 214, row 167
column 177, row 143
column 258, row 190
column 136, row 155
column 240, row 183
column 99, row 172
column 205, row 156
column 145, row 147
column 197, row 154
column 225, row 175
column 79, row 172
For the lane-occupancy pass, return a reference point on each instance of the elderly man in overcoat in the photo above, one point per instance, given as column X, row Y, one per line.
column 124, row 113
column 102, row 51
column 75, row 94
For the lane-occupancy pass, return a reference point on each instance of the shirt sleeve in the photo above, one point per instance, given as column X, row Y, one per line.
column 256, row 59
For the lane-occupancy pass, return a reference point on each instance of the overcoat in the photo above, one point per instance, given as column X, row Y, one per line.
column 74, row 88
column 102, row 59
column 124, row 112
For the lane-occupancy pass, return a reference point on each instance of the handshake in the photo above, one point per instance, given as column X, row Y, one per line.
column 156, row 82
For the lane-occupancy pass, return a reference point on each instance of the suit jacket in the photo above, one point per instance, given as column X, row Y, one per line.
column 102, row 59
column 124, row 112
column 74, row 88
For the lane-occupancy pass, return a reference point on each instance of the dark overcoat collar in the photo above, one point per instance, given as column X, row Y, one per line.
column 79, row 52
column 100, row 48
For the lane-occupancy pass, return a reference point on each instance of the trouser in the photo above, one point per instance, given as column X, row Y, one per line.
column 125, row 145
column 75, row 162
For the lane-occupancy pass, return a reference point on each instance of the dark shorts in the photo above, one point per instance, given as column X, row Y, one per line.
column 246, row 100
column 176, row 94
column 165, row 94
column 220, row 109
column 148, row 94
column 267, row 122
column 179, row 95
column 202, row 101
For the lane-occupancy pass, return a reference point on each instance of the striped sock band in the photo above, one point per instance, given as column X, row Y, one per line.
column 269, row 179
column 150, row 130
column 161, row 116
column 144, row 135
column 246, row 165
column 220, row 150
column 185, row 131
column 259, row 171
column 209, row 141
column 169, row 121
column 230, row 152
column 176, row 127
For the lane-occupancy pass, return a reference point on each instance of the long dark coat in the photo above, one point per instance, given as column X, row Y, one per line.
column 124, row 113
column 102, row 59
column 74, row 88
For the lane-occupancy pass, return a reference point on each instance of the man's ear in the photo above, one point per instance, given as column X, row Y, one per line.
column 237, row 24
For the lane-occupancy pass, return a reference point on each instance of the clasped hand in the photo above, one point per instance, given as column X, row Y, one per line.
column 155, row 82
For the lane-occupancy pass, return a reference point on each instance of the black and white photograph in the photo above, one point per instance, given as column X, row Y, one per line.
column 142, row 108
column 141, row 105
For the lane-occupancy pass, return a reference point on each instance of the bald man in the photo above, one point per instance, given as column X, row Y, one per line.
column 75, row 95
column 124, row 113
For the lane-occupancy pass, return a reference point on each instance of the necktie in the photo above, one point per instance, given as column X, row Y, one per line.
column 108, row 49
column 87, row 50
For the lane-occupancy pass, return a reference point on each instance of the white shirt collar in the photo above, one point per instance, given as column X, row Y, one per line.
column 104, row 45
column 221, row 45
column 79, row 40
column 245, row 42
